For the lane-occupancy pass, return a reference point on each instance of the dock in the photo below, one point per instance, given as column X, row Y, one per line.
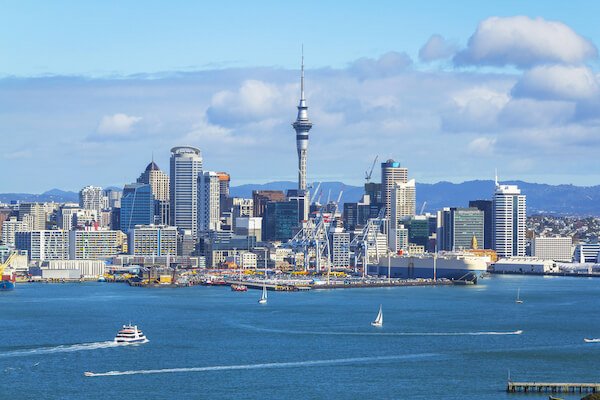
column 552, row 387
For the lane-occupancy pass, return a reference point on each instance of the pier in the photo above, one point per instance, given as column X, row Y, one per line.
column 552, row 387
column 291, row 285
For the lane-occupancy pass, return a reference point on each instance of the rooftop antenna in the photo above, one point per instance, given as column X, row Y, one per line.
column 302, row 76
column 496, row 177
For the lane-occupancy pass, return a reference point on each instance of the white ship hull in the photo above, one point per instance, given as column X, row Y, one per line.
column 448, row 265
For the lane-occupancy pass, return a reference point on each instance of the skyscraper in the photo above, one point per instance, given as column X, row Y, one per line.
column 224, row 180
column 458, row 226
column 158, row 181
column 186, row 164
column 208, row 201
column 137, row 206
column 402, row 202
column 90, row 198
column 302, row 126
column 391, row 173
column 508, row 219
column 486, row 207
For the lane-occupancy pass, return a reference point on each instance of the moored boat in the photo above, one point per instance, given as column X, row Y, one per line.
column 239, row 288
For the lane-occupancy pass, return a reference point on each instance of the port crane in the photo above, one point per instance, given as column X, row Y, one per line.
column 368, row 238
column 370, row 172
column 7, row 263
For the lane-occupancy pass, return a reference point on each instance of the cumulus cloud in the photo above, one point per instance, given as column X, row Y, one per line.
column 117, row 124
column 388, row 64
column 253, row 101
column 525, row 42
column 557, row 82
column 436, row 48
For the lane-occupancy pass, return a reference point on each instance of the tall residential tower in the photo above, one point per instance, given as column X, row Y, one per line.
column 508, row 219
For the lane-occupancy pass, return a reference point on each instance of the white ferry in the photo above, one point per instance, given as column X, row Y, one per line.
column 130, row 334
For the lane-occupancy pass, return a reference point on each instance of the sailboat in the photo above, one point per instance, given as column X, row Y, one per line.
column 263, row 298
column 379, row 320
column 518, row 300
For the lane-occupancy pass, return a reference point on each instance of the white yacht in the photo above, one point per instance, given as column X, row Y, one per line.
column 263, row 298
column 130, row 334
column 379, row 320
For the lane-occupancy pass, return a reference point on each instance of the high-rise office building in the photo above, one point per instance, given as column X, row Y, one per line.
column 402, row 202
column 260, row 198
column 91, row 198
column 224, row 181
column 158, row 181
column 137, row 206
column 34, row 214
column 391, row 173
column 340, row 249
column 280, row 220
column 508, row 221
column 208, row 202
column 458, row 226
column 486, row 207
column 186, row 164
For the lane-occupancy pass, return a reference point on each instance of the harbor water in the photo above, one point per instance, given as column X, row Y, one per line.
column 451, row 342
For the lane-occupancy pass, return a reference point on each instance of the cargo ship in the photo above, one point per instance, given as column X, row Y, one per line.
column 8, row 277
column 455, row 266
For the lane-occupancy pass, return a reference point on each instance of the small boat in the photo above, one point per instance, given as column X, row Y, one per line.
column 554, row 398
column 379, row 320
column 263, row 298
column 518, row 300
column 239, row 288
column 130, row 334
column 87, row 373
column 596, row 340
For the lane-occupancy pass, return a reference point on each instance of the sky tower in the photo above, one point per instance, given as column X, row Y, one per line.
column 302, row 125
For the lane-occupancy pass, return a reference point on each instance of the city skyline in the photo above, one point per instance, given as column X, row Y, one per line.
column 452, row 103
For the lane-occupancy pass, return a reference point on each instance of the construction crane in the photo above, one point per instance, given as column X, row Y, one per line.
column 370, row 172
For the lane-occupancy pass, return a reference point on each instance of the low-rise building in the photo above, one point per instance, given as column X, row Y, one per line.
column 525, row 265
column 552, row 248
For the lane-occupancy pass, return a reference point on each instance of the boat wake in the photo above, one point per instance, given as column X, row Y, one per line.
column 60, row 349
column 293, row 364
column 333, row 333
column 595, row 340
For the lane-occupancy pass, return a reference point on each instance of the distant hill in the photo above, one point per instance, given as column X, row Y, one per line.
column 541, row 198
column 57, row 195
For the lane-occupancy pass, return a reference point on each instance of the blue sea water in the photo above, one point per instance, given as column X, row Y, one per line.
column 436, row 342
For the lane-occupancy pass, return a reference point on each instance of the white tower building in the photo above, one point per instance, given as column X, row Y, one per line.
column 302, row 126
column 391, row 173
column 209, row 209
column 186, row 164
column 90, row 198
column 508, row 221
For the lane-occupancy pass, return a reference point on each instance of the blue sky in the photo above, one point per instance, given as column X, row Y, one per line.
column 89, row 90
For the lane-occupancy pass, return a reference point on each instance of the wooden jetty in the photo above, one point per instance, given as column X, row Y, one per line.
column 552, row 387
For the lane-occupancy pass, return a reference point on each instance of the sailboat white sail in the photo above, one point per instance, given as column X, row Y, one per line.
column 263, row 298
column 518, row 300
column 379, row 320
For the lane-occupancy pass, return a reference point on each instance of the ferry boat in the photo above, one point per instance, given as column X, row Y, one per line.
column 130, row 334
column 7, row 282
column 449, row 265
column 239, row 288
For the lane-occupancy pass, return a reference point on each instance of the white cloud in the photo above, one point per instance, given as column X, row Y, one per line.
column 536, row 113
column 388, row 64
column 436, row 48
column 117, row 124
column 524, row 42
column 475, row 109
column 482, row 146
column 557, row 82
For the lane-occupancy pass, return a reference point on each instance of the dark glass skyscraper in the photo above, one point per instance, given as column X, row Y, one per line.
column 137, row 206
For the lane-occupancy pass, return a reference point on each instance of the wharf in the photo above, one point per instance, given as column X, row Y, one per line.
column 552, row 387
column 292, row 285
